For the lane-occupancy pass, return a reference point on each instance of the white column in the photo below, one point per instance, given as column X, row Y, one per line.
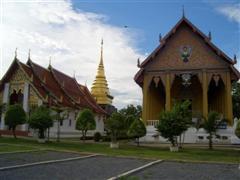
column 25, row 103
column 5, row 101
column 26, row 97
column 99, row 124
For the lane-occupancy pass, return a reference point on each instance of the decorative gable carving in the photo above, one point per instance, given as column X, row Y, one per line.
column 197, row 54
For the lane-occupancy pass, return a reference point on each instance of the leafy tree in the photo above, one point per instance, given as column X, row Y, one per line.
column 237, row 130
column 236, row 99
column 15, row 115
column 97, row 136
column 184, row 117
column 210, row 125
column 41, row 120
column 85, row 122
column 130, row 114
column 137, row 130
column 114, row 125
column 173, row 123
column 168, row 126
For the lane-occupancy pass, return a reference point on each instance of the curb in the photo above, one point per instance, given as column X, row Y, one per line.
column 135, row 170
column 46, row 162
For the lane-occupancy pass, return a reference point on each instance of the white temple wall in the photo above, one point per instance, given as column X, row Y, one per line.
column 192, row 135
column 5, row 101
column 68, row 126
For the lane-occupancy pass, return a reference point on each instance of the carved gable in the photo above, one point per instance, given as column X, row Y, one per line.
column 33, row 97
column 200, row 56
column 17, row 80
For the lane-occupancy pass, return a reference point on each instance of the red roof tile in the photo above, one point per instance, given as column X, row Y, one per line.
column 51, row 85
column 76, row 91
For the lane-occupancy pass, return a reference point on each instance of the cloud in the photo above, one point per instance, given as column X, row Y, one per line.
column 231, row 11
column 72, row 38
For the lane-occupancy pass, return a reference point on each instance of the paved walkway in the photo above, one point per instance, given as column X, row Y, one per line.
column 54, row 165
column 189, row 171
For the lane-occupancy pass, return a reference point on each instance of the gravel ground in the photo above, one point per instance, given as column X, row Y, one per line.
column 94, row 168
column 187, row 171
column 35, row 156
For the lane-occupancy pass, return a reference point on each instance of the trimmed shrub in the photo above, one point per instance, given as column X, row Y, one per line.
column 97, row 136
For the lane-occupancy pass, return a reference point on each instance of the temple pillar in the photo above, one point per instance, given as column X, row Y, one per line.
column 168, row 93
column 5, row 101
column 146, row 97
column 205, row 94
column 228, row 97
column 25, row 103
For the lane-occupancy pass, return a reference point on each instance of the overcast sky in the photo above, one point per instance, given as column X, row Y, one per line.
column 71, row 31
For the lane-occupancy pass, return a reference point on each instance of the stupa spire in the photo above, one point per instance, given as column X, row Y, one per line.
column 101, row 58
column 100, row 88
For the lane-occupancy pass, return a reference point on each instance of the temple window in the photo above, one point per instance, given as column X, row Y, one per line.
column 16, row 98
column 20, row 96
column 61, row 122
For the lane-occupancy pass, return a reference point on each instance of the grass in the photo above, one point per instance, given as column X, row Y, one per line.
column 194, row 154
column 12, row 148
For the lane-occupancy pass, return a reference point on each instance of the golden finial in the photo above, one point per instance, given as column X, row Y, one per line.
column 183, row 11
column 50, row 60
column 138, row 62
column 16, row 53
column 160, row 37
column 210, row 35
column 29, row 54
column 235, row 59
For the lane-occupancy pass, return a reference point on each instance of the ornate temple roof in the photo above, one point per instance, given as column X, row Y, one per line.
column 100, row 88
column 54, row 87
column 184, row 21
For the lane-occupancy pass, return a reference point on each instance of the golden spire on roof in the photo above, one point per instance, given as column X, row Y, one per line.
column 15, row 53
column 29, row 54
column 100, row 88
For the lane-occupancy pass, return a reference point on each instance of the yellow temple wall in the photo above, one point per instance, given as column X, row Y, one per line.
column 156, row 102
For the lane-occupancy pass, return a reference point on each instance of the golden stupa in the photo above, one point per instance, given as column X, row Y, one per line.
column 100, row 88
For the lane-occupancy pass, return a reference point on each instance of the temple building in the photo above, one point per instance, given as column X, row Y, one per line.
column 33, row 85
column 100, row 88
column 186, row 65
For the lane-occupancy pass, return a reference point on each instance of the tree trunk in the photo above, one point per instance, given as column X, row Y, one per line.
column 183, row 139
column 48, row 134
column 58, row 131
column 83, row 136
column 138, row 141
column 41, row 134
column 14, row 133
column 210, row 141
column 176, row 140
column 180, row 141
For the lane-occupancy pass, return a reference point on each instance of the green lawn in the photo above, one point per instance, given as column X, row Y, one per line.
column 13, row 148
column 187, row 154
